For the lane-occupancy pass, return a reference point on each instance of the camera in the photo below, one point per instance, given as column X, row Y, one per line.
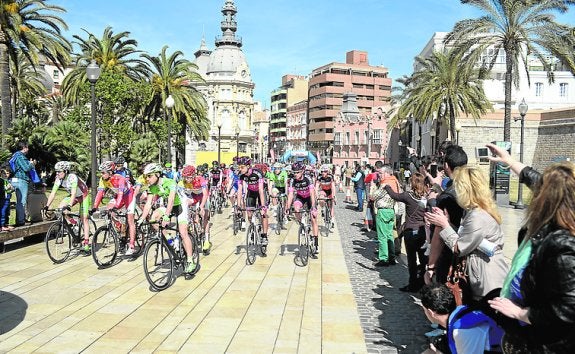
column 481, row 152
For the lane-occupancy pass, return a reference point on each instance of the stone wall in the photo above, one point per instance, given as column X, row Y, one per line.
column 555, row 142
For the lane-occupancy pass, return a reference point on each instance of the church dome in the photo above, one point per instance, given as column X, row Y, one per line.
column 226, row 59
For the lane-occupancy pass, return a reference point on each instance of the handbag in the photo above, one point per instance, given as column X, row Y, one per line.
column 458, row 280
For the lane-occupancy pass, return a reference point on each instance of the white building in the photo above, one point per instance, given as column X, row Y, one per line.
column 229, row 94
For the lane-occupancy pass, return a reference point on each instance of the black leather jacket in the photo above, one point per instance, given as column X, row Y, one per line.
column 548, row 285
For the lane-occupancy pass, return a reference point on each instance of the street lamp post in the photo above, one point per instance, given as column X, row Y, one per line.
column 93, row 73
column 368, row 118
column 457, row 130
column 522, row 111
column 399, row 144
column 169, row 104
column 418, row 144
column 237, row 141
column 257, row 144
column 432, row 135
column 219, row 141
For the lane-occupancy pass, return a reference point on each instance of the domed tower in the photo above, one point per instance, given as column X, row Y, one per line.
column 229, row 93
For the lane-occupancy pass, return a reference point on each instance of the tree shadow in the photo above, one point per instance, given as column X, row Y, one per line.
column 12, row 311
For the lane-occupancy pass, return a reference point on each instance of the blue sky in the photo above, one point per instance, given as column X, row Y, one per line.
column 280, row 36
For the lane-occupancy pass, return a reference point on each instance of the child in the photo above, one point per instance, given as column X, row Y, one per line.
column 6, row 190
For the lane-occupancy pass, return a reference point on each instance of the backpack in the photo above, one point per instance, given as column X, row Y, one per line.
column 12, row 165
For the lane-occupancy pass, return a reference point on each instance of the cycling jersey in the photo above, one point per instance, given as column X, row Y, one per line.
column 164, row 189
column 325, row 183
column 253, row 178
column 235, row 178
column 302, row 187
column 72, row 181
column 121, row 187
column 279, row 180
column 216, row 174
column 195, row 188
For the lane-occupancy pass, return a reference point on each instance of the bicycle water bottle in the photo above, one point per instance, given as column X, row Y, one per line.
column 176, row 243
column 172, row 242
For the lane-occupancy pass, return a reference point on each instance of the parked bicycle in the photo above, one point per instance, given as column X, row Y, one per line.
column 113, row 238
column 64, row 235
column 253, row 236
column 164, row 256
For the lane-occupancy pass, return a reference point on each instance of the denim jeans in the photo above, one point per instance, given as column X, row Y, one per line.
column 359, row 193
column 5, row 210
column 21, row 190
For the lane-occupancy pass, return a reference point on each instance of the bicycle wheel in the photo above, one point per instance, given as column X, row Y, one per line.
column 279, row 218
column 105, row 246
column 195, row 255
column 326, row 220
column 140, row 243
column 303, row 241
column 220, row 204
column 251, row 244
column 212, row 206
column 58, row 243
column 236, row 223
column 158, row 264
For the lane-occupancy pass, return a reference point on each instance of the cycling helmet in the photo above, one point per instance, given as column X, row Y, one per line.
column 152, row 168
column 62, row 166
column 244, row 160
column 107, row 166
column 297, row 166
column 188, row 171
column 278, row 165
column 215, row 163
column 324, row 168
column 120, row 160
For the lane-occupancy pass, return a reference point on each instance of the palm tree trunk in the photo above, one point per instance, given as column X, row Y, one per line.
column 509, row 54
column 452, row 122
column 5, row 87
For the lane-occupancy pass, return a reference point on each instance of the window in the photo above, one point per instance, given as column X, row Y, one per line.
column 366, row 137
column 56, row 74
column 538, row 89
column 337, row 139
column 347, row 139
column 376, row 136
column 563, row 89
column 357, row 138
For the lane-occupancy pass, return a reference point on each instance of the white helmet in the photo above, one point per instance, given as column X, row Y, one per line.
column 152, row 168
column 62, row 166
column 325, row 168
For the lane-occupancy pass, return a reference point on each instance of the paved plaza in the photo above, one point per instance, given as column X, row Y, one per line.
column 339, row 303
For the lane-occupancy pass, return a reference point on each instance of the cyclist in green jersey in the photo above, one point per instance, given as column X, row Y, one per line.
column 167, row 189
column 277, row 181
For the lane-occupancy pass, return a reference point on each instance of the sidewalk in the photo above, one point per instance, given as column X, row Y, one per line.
column 393, row 321
column 271, row 306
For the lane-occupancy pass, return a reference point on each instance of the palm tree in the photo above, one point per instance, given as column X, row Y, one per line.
column 26, row 81
column 33, row 28
column 520, row 28
column 174, row 75
column 112, row 52
column 445, row 86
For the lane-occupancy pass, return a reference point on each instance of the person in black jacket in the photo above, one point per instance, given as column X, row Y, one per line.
column 539, row 291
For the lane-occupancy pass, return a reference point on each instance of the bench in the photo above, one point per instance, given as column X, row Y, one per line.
column 25, row 231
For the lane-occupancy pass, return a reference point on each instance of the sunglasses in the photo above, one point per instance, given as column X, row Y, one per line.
column 149, row 175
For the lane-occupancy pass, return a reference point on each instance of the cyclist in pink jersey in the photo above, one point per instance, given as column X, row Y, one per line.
column 301, row 192
column 196, row 190
column 124, row 197
column 252, row 181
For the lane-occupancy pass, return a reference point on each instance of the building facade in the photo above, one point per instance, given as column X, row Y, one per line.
column 228, row 90
column 293, row 89
column 327, row 133
column 261, row 125
column 296, row 126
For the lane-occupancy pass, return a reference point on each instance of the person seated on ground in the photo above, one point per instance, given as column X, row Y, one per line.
column 539, row 291
column 468, row 329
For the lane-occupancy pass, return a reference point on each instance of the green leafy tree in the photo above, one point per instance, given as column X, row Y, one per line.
column 144, row 150
column 520, row 28
column 27, row 85
column 173, row 75
column 112, row 52
column 445, row 86
column 32, row 28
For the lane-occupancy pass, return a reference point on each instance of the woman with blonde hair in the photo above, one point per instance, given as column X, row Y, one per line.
column 539, row 291
column 479, row 237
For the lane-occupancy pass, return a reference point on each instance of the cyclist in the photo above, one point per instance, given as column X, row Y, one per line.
column 252, row 181
column 277, row 181
column 121, row 169
column 196, row 190
column 78, row 195
column 215, row 179
column 325, row 185
column 301, row 192
column 225, row 174
column 167, row 189
column 125, row 197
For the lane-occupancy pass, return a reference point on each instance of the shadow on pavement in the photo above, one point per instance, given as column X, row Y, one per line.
column 12, row 311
